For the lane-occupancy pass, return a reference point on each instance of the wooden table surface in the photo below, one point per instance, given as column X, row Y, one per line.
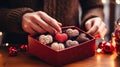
column 26, row 60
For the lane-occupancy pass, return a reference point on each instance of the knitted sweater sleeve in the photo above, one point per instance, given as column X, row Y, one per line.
column 10, row 19
column 90, row 9
column 10, row 24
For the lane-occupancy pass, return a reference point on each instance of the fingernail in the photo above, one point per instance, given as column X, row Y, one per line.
column 60, row 31
column 60, row 24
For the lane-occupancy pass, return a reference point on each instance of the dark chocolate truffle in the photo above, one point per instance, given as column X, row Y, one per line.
column 71, row 43
column 72, row 32
column 82, row 38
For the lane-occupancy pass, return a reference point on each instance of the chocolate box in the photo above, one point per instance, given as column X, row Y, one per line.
column 65, row 56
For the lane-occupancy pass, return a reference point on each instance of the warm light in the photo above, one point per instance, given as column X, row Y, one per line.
column 0, row 55
column 99, row 60
column 117, row 1
column 103, row 38
column 99, row 50
column 7, row 44
column 0, row 33
column 118, row 23
column 104, row 1
column 112, row 62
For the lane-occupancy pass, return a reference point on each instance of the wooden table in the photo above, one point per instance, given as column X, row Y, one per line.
column 26, row 60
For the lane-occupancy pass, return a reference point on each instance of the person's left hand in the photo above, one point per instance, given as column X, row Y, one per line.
column 96, row 27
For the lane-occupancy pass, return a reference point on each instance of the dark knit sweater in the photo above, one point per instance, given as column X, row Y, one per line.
column 65, row 11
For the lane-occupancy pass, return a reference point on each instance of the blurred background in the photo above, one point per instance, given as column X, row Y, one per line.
column 112, row 13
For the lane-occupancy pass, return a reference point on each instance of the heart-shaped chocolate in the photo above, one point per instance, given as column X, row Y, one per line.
column 71, row 43
column 82, row 38
column 72, row 32
column 61, row 37
column 45, row 39
column 57, row 46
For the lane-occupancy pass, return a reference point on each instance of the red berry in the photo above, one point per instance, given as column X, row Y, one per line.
column 101, row 44
column 13, row 51
column 23, row 47
column 117, row 33
column 108, row 48
column 61, row 37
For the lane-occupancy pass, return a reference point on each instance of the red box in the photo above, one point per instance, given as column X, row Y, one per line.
column 68, row 55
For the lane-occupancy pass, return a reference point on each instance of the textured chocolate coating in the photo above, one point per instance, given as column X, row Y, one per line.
column 71, row 43
column 57, row 46
column 72, row 32
column 82, row 38
column 45, row 39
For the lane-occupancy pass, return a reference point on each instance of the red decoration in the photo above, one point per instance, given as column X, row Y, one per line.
column 107, row 47
column 61, row 37
column 117, row 33
column 23, row 47
column 13, row 51
column 117, row 36
column 118, row 48
column 101, row 44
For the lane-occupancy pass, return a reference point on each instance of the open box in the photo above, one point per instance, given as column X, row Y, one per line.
column 65, row 56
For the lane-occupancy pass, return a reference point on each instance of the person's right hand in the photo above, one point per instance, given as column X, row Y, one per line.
column 40, row 22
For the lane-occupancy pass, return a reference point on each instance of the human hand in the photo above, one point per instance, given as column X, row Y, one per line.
column 40, row 22
column 96, row 27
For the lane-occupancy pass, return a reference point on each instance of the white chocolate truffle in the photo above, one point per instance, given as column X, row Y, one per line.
column 71, row 43
column 57, row 46
column 45, row 39
column 72, row 32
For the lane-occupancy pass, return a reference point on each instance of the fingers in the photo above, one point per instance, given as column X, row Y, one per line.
column 92, row 26
column 96, row 27
column 60, row 24
column 37, row 28
column 52, row 22
column 42, row 24
column 28, row 29
column 100, row 33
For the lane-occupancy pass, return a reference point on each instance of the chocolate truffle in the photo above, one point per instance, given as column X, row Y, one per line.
column 57, row 46
column 45, row 39
column 71, row 43
column 82, row 38
column 72, row 32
